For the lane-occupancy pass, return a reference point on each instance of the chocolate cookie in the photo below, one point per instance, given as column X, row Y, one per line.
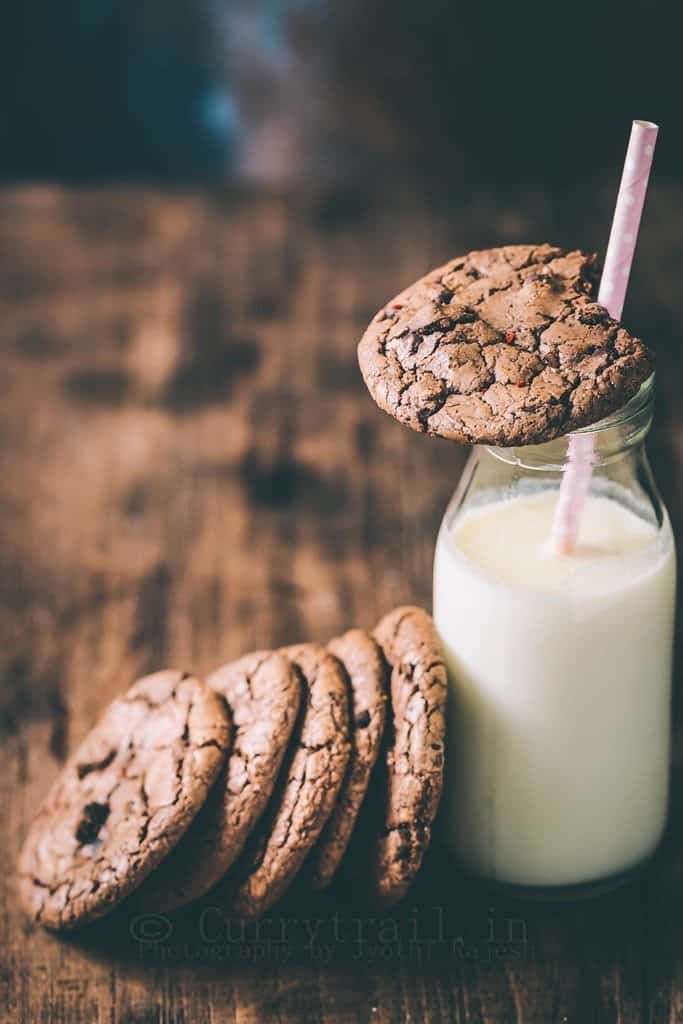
column 262, row 691
column 366, row 670
column 312, row 776
column 505, row 346
column 123, row 800
column 415, row 749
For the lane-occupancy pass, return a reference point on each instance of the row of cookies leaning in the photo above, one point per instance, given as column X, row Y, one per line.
column 246, row 779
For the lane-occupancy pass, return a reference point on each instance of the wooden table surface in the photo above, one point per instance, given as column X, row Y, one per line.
column 190, row 468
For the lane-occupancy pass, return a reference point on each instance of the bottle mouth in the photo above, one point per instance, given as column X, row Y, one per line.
column 613, row 436
column 626, row 412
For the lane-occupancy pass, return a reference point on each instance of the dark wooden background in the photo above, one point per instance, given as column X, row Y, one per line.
column 190, row 468
column 296, row 90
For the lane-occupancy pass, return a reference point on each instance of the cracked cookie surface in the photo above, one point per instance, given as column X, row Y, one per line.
column 123, row 800
column 262, row 691
column 505, row 346
column 366, row 670
column 414, row 752
column 311, row 778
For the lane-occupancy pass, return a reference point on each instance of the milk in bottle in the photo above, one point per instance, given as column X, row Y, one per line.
column 559, row 665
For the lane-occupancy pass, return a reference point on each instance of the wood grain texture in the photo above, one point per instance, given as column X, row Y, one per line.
column 190, row 468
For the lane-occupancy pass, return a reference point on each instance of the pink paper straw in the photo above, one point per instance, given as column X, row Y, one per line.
column 611, row 295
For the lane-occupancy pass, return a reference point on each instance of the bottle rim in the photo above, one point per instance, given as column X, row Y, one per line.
column 634, row 407
column 614, row 435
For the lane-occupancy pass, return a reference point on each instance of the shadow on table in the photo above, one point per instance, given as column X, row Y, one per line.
column 447, row 918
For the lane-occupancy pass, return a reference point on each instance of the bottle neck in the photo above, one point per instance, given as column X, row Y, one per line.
column 614, row 438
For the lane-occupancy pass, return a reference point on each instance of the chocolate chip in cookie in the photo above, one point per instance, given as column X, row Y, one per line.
column 123, row 800
column 505, row 346
column 414, row 752
column 310, row 782
column 366, row 669
column 262, row 691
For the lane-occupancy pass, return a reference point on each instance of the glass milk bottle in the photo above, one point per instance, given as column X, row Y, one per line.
column 559, row 666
